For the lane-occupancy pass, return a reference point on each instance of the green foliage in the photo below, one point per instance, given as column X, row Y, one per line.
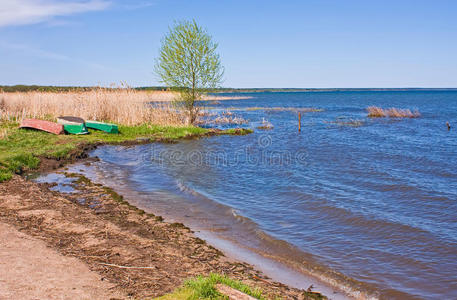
column 204, row 288
column 189, row 64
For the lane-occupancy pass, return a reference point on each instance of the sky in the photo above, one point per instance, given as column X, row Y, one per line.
column 277, row 44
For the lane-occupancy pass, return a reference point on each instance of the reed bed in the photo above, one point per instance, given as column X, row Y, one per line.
column 378, row 112
column 121, row 106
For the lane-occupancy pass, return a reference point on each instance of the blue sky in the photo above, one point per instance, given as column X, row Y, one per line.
column 313, row 43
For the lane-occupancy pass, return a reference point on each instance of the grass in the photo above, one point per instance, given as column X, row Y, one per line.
column 205, row 288
column 21, row 149
column 236, row 131
column 378, row 112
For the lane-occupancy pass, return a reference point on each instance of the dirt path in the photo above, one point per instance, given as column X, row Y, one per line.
column 31, row 270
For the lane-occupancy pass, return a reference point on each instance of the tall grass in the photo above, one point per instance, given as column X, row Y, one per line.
column 378, row 112
column 205, row 288
column 121, row 106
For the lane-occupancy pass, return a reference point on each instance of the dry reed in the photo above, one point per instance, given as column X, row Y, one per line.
column 4, row 134
column 378, row 112
column 121, row 106
column 225, row 117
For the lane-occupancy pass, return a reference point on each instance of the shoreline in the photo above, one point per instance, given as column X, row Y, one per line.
column 210, row 218
column 44, row 222
column 275, row 267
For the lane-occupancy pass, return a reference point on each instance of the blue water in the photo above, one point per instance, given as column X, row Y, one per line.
column 371, row 203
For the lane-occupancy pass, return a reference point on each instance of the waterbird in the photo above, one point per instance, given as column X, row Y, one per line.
column 448, row 126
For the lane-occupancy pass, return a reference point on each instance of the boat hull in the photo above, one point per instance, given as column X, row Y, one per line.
column 42, row 125
column 75, row 128
column 106, row 127
column 73, row 125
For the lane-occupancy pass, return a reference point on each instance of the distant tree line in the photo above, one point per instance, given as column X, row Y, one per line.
column 55, row 89
column 58, row 89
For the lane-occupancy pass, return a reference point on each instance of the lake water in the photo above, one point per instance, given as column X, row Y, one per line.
column 366, row 204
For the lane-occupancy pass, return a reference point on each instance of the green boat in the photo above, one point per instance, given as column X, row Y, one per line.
column 73, row 125
column 106, row 127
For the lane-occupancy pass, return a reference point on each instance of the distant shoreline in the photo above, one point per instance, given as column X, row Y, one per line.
column 278, row 90
column 50, row 88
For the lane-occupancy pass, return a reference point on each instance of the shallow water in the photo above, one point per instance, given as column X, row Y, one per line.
column 370, row 207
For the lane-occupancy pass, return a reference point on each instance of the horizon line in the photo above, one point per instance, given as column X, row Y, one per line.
column 239, row 88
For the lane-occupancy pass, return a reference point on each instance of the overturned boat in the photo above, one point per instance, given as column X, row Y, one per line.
column 42, row 125
column 106, row 127
column 73, row 125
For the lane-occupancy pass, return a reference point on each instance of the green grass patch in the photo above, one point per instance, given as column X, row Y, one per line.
column 237, row 131
column 205, row 288
column 5, row 174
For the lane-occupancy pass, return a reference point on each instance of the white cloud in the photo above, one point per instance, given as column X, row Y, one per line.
column 132, row 5
column 23, row 12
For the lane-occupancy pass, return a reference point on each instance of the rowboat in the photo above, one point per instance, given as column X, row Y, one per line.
column 42, row 125
column 106, row 127
column 73, row 125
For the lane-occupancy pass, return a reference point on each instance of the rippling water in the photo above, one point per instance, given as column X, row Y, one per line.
column 372, row 206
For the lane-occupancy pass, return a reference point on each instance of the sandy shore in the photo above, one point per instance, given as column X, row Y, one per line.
column 137, row 254
column 28, row 261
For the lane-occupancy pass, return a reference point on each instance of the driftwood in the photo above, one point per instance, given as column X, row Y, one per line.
column 125, row 267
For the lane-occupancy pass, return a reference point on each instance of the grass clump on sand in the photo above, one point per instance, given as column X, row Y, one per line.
column 378, row 112
column 205, row 288
column 21, row 149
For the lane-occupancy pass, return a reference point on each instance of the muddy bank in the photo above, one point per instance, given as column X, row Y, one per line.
column 138, row 253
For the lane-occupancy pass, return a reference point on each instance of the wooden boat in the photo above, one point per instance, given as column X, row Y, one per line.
column 73, row 125
column 42, row 125
column 106, row 127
